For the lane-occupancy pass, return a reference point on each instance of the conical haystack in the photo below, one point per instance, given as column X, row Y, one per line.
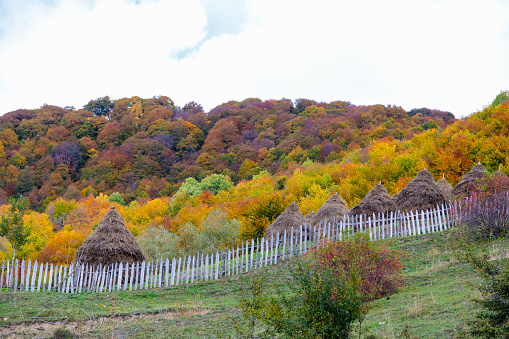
column 422, row 193
column 446, row 188
column 500, row 173
column 334, row 207
column 395, row 196
column 310, row 216
column 110, row 242
column 291, row 217
column 468, row 181
column 376, row 201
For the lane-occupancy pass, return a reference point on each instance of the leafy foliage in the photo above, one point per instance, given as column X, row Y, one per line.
column 492, row 320
column 329, row 290
column 487, row 215
column 11, row 224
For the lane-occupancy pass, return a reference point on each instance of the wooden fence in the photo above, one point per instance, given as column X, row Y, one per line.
column 43, row 277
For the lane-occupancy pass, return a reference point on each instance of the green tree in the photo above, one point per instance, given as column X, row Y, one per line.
column 216, row 183
column 503, row 96
column 26, row 181
column 116, row 197
column 101, row 106
column 11, row 224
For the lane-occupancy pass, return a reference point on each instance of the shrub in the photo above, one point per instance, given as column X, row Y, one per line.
column 492, row 321
column 157, row 242
column 218, row 232
column 379, row 266
column 331, row 289
column 116, row 197
column 314, row 305
column 262, row 214
column 485, row 214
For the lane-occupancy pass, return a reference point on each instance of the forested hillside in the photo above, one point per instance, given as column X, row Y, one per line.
column 147, row 147
column 188, row 181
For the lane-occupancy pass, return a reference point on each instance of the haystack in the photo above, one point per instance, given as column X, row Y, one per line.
column 395, row 196
column 310, row 216
column 334, row 207
column 468, row 181
column 290, row 217
column 110, row 242
column 376, row 201
column 500, row 173
column 422, row 193
column 446, row 188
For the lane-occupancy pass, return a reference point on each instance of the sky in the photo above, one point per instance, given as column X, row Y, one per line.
column 451, row 55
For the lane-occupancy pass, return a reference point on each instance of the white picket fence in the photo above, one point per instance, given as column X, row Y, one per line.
column 43, row 277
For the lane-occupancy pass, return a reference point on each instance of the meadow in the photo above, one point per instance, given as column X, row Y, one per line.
column 435, row 302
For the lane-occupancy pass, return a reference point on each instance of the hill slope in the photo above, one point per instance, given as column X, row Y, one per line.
column 434, row 302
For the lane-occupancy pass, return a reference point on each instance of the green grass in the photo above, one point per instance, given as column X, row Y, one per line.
column 435, row 302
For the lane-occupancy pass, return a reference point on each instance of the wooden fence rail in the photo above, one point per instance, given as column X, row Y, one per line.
column 21, row 275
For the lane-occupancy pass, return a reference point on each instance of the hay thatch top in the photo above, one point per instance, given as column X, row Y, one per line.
column 110, row 242
column 421, row 193
column 499, row 172
column 310, row 216
column 291, row 216
column 334, row 207
column 446, row 188
column 466, row 183
column 376, row 201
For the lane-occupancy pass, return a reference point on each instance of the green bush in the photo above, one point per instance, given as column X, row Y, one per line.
column 492, row 320
column 331, row 288
column 116, row 197
column 157, row 242
column 218, row 232
column 313, row 305
column 215, row 234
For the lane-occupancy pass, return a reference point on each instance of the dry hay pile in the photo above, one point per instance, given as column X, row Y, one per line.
column 500, row 173
column 446, row 188
column 309, row 216
column 468, row 181
column 395, row 196
column 110, row 242
column 422, row 193
column 376, row 201
column 334, row 207
column 291, row 216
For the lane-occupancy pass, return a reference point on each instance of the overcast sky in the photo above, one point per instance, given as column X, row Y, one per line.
column 446, row 54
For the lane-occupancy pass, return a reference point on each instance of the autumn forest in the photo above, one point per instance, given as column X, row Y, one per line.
column 179, row 175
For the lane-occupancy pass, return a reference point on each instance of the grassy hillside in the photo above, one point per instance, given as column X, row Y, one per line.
column 435, row 302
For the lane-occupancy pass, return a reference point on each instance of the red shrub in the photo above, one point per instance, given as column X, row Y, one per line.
column 379, row 267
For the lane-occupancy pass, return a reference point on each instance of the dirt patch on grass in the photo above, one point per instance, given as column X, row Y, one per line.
column 85, row 328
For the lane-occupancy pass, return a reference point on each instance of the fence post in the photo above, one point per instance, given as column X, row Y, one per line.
column 2, row 276
column 256, row 254
column 284, row 245
column 127, row 276
column 413, row 231
column 8, row 276
column 300, row 242
column 34, row 274
column 161, row 276
column 16, row 275
column 216, row 275
column 100, row 278
column 177, row 276
column 68, row 277
column 276, row 254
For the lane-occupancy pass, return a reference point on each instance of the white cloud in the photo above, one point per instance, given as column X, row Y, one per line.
column 448, row 54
